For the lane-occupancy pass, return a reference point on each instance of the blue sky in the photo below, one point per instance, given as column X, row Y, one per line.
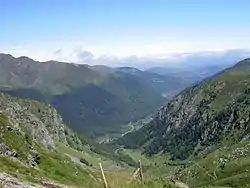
column 122, row 27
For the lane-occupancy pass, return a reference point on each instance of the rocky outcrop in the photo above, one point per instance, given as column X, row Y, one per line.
column 29, row 132
column 6, row 152
column 40, row 120
column 7, row 181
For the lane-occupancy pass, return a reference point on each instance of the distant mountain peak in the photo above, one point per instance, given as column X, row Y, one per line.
column 245, row 61
column 4, row 55
column 25, row 59
column 88, row 96
column 129, row 70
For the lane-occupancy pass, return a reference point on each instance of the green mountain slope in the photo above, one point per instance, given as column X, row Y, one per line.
column 226, row 166
column 213, row 112
column 94, row 99
column 47, row 77
column 29, row 133
column 116, row 100
column 201, row 137
column 92, row 105
column 161, row 83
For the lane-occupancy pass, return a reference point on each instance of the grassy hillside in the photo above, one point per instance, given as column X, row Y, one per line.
column 151, row 184
column 225, row 166
column 25, row 158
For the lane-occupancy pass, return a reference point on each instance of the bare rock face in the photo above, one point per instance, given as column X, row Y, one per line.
column 6, row 152
column 42, row 121
column 29, row 131
column 7, row 181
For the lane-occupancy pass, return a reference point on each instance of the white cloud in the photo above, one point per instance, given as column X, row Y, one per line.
column 152, row 54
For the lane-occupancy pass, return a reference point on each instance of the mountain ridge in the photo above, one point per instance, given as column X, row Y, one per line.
column 190, row 118
column 135, row 94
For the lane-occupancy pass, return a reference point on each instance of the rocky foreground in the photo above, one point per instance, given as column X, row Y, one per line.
column 7, row 181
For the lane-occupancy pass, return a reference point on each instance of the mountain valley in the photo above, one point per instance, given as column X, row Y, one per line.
column 197, row 138
column 85, row 95
column 124, row 94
